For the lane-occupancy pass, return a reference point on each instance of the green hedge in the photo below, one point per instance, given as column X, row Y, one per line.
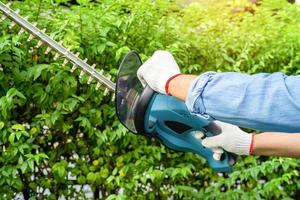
column 57, row 132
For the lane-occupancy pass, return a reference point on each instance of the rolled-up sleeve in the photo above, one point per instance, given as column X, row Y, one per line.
column 266, row 102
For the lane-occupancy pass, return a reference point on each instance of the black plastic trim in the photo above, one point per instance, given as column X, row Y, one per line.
column 177, row 127
column 141, row 108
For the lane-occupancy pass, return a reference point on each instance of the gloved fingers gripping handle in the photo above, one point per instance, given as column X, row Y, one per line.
column 215, row 130
column 186, row 142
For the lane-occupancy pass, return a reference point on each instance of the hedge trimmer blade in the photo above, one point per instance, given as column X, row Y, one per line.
column 61, row 51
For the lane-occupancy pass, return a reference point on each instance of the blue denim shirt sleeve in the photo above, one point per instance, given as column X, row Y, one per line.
column 265, row 102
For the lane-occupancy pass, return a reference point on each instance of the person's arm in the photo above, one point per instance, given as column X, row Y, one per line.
column 265, row 102
column 277, row 144
column 179, row 86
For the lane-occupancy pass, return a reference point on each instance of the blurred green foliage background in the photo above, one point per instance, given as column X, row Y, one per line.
column 59, row 135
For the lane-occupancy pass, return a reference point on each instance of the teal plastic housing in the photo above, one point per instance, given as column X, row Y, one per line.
column 163, row 109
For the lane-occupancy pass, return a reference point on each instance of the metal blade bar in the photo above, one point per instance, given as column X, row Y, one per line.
column 56, row 46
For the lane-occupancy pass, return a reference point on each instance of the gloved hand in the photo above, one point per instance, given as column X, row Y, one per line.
column 158, row 70
column 232, row 139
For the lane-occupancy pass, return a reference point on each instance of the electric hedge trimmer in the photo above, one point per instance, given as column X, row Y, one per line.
column 140, row 110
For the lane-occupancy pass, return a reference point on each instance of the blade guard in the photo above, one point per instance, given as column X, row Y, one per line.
column 168, row 119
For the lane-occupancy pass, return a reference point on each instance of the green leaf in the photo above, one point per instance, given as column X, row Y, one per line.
column 30, row 164
column 60, row 169
column 38, row 70
column 20, row 160
column 91, row 177
column 2, row 124
column 11, row 138
column 18, row 127
column 121, row 52
column 81, row 180
column 18, row 134
column 14, row 92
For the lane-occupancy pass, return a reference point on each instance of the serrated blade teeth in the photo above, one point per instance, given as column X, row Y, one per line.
column 113, row 97
column 81, row 74
column 98, row 85
column 74, row 67
column 40, row 43
column 30, row 38
column 21, row 31
column 57, row 55
column 48, row 50
column 13, row 24
column 65, row 62
column 90, row 80
column 3, row 18
column 106, row 91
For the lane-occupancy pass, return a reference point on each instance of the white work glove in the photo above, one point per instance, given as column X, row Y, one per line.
column 157, row 71
column 232, row 139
